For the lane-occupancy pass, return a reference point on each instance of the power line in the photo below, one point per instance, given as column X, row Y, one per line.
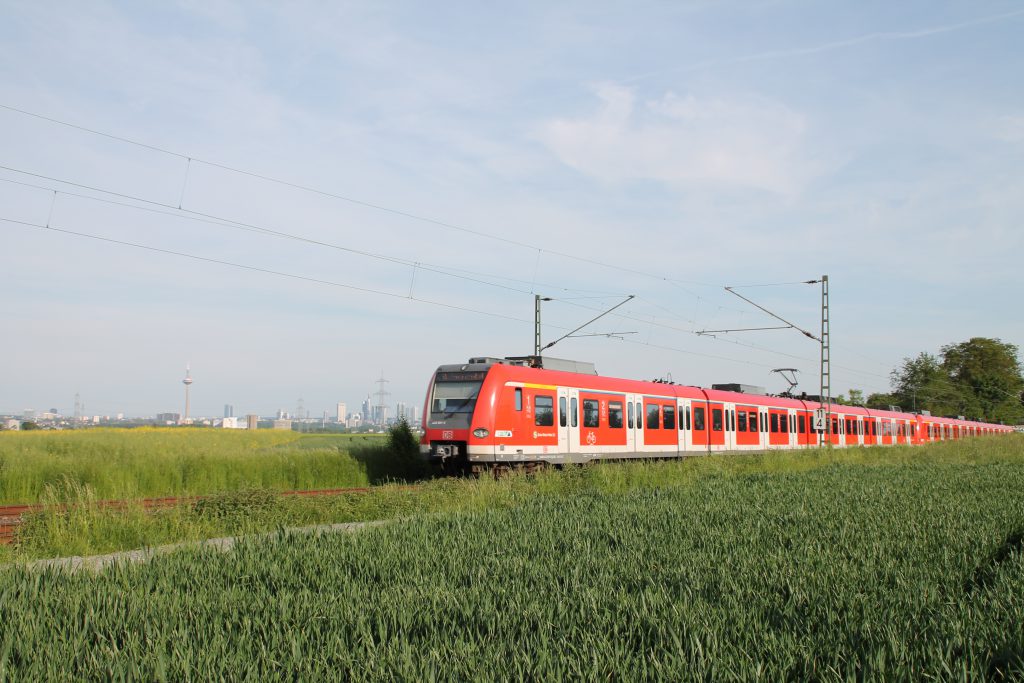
column 258, row 269
column 359, row 202
column 368, row 290
column 212, row 219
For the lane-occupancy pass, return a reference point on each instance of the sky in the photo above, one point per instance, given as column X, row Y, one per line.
column 299, row 198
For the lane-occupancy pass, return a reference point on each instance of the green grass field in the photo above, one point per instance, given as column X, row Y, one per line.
column 86, row 528
column 152, row 462
column 874, row 564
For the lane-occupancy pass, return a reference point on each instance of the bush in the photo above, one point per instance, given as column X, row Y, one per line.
column 404, row 449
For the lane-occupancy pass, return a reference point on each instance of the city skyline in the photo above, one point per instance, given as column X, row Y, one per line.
column 237, row 407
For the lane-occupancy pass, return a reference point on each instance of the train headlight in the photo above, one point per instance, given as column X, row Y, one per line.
column 481, row 433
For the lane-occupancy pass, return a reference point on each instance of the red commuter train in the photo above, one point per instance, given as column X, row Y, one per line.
column 505, row 411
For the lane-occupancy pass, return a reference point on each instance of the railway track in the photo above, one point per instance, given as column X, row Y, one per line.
column 12, row 516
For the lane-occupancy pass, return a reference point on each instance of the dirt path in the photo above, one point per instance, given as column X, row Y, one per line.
column 98, row 563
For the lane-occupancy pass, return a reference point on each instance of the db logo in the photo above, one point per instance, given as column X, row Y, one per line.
column 447, row 435
column 591, row 438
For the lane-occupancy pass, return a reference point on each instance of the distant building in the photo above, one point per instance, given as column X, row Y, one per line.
column 231, row 423
column 282, row 424
column 354, row 420
column 168, row 418
column 252, row 421
column 401, row 411
column 29, row 414
column 12, row 424
column 342, row 412
column 229, row 410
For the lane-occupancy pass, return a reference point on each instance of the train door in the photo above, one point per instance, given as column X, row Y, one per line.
column 685, row 424
column 573, row 419
column 563, row 420
column 635, row 422
column 716, row 426
column 701, row 425
column 803, row 428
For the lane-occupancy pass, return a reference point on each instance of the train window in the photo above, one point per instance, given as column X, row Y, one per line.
column 615, row 414
column 741, row 425
column 792, row 424
column 764, row 422
column 591, row 413
column 775, row 423
column 519, row 398
column 629, row 414
column 653, row 416
column 753, row 421
column 639, row 416
column 716, row 419
column 561, row 411
column 698, row 419
column 835, row 424
column 544, row 411
column 573, row 413
column 687, row 419
column 801, row 423
column 670, row 417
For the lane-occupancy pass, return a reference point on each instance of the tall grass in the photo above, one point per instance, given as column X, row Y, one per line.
column 61, row 531
column 152, row 462
column 831, row 566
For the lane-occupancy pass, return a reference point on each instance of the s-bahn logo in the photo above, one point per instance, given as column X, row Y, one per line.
column 539, row 435
column 591, row 438
column 447, row 434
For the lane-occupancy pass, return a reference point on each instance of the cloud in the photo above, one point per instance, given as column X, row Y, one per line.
column 681, row 141
column 1010, row 128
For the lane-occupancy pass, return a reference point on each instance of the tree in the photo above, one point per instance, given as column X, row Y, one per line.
column 990, row 371
column 856, row 397
column 980, row 378
column 882, row 401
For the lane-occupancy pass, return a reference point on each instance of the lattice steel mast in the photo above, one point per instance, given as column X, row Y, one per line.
column 826, row 361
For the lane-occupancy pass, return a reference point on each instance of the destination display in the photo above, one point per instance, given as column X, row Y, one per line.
column 477, row 376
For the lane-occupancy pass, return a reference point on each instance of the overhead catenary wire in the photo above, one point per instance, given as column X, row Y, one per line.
column 212, row 219
column 320, row 281
column 259, row 269
column 191, row 158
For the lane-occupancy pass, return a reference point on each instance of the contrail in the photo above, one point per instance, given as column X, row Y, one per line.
column 835, row 45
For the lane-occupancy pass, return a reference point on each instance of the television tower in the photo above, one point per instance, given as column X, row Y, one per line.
column 188, row 384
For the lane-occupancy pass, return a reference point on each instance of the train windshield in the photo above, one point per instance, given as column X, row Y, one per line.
column 455, row 393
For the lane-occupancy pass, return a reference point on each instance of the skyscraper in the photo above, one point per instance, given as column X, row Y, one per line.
column 342, row 412
column 229, row 410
